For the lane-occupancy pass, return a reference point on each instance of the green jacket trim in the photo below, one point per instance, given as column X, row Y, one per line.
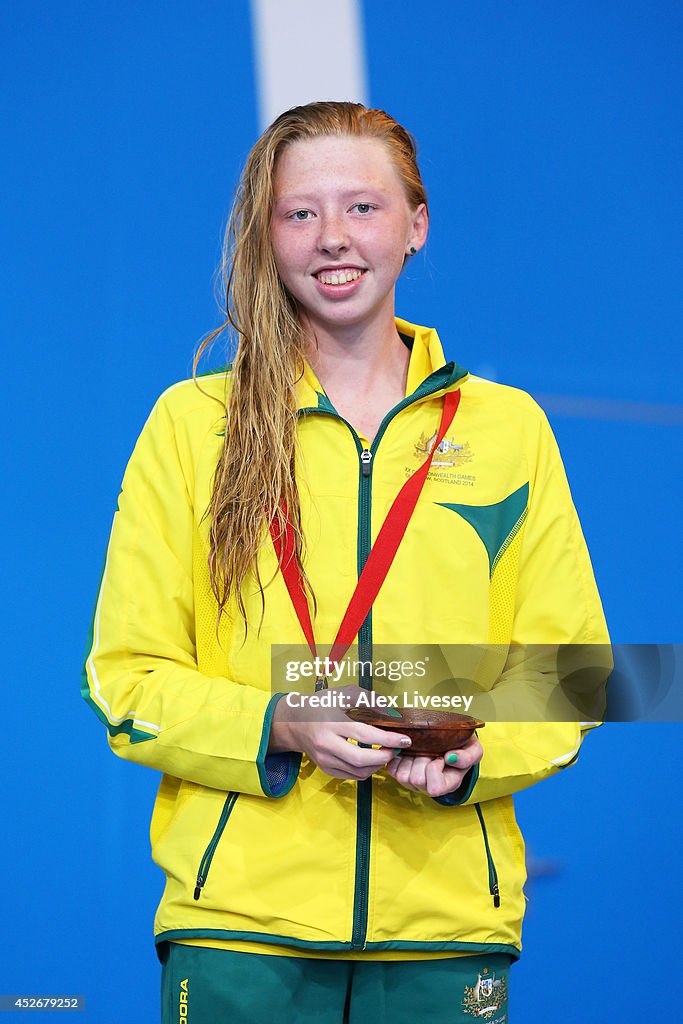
column 226, row 368
column 286, row 940
column 325, row 405
column 294, row 757
column 462, row 795
column 443, row 378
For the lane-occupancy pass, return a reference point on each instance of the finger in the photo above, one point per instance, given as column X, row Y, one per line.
column 399, row 770
column 359, row 757
column 359, row 761
column 329, row 740
column 340, row 769
column 472, row 744
column 392, row 768
column 407, row 774
column 339, row 773
column 369, row 734
column 418, row 771
column 440, row 779
column 465, row 757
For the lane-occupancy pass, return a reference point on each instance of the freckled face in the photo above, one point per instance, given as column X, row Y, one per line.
column 340, row 229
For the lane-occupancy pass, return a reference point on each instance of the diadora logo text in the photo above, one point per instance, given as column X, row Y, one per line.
column 182, row 1003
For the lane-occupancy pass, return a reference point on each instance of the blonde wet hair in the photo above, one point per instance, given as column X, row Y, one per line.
column 255, row 474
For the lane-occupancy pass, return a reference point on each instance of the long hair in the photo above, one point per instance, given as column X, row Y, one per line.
column 254, row 477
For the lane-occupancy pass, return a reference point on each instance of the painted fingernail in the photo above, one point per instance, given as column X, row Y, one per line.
column 452, row 758
column 399, row 751
column 405, row 741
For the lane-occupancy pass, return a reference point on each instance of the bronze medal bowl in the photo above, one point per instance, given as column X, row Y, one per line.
column 433, row 732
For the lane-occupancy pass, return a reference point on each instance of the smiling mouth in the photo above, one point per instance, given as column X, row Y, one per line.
column 342, row 276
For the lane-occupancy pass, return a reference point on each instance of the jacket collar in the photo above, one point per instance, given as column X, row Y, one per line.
column 427, row 363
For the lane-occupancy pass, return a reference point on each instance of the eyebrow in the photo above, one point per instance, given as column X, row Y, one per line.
column 289, row 197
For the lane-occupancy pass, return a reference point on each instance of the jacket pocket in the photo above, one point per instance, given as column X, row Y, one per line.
column 493, row 874
column 205, row 863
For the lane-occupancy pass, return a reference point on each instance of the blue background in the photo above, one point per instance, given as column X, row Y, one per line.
column 551, row 149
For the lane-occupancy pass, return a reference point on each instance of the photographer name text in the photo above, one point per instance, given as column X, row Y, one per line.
column 369, row 699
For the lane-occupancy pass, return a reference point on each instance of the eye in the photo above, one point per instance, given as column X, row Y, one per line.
column 364, row 208
column 300, row 215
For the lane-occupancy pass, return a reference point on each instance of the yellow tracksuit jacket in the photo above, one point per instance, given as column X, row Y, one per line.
column 267, row 849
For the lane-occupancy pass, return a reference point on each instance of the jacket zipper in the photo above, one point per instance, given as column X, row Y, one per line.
column 493, row 874
column 364, row 791
column 364, row 787
column 205, row 862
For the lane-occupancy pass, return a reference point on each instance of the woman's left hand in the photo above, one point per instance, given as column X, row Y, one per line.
column 435, row 775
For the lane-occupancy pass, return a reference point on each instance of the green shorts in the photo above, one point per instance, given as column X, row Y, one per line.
column 201, row 985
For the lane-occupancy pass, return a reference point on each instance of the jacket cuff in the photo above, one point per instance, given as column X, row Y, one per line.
column 463, row 793
column 277, row 772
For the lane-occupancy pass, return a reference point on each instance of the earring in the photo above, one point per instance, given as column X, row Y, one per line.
column 413, row 250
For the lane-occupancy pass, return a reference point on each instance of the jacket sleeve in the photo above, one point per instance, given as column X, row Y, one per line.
column 557, row 613
column 140, row 675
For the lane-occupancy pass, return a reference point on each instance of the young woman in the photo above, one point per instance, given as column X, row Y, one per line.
column 310, row 878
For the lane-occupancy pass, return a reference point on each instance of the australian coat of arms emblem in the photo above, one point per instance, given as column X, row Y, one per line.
column 486, row 996
column 448, row 452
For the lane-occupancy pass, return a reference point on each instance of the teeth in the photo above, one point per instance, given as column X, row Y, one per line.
column 343, row 277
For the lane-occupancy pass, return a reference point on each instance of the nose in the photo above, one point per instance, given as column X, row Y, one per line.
column 333, row 237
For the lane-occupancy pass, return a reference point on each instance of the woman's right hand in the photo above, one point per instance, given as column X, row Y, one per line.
column 323, row 735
